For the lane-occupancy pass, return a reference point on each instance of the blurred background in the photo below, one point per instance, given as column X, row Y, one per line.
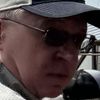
column 92, row 60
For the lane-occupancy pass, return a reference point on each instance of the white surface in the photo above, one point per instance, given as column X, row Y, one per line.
column 8, row 94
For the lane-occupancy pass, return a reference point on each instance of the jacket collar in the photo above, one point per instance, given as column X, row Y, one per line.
column 8, row 79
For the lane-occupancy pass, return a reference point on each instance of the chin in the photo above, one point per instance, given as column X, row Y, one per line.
column 52, row 93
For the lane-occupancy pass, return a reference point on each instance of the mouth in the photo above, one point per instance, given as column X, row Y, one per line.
column 57, row 81
column 57, row 76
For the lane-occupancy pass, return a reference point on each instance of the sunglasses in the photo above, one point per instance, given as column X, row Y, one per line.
column 57, row 38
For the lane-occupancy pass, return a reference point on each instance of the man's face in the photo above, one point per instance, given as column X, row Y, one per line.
column 44, row 69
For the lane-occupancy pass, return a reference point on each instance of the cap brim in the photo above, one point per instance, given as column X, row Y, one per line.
column 60, row 9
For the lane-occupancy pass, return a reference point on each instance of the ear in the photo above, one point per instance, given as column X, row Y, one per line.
column 1, row 38
column 0, row 29
column 1, row 33
column 0, row 26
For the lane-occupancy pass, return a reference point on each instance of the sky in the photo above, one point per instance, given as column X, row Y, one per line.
column 95, row 3
column 91, row 29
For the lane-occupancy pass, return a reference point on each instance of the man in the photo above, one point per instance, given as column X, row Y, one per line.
column 39, row 45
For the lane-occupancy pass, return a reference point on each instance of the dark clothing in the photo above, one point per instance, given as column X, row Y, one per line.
column 10, row 83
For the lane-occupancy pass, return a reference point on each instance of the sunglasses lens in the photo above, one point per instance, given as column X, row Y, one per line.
column 55, row 37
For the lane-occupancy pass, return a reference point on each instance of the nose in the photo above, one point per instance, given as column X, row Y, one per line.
column 67, row 51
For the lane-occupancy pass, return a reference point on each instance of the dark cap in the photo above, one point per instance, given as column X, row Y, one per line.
column 55, row 8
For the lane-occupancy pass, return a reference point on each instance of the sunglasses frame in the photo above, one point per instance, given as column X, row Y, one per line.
column 45, row 35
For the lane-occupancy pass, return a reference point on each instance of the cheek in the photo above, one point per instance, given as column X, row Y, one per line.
column 71, row 66
column 74, row 62
column 32, row 57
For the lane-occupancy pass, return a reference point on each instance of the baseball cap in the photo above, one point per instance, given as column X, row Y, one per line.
column 55, row 8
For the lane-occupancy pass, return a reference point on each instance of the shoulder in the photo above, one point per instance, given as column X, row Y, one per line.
column 8, row 94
